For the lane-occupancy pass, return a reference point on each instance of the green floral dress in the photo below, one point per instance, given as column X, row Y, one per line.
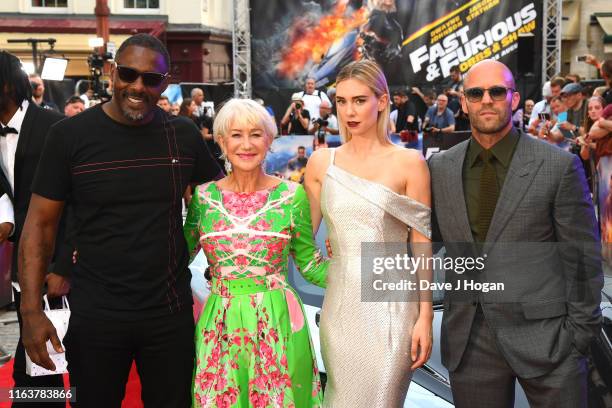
column 253, row 346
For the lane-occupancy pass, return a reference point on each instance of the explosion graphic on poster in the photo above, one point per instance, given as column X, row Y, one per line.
column 415, row 42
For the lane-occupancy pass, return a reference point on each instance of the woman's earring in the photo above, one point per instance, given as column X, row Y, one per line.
column 226, row 163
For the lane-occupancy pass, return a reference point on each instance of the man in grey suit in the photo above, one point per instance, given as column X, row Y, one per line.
column 523, row 206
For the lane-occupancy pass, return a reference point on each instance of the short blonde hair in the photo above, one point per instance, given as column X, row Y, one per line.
column 243, row 111
column 370, row 74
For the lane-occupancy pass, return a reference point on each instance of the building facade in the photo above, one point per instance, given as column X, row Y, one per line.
column 586, row 29
column 198, row 33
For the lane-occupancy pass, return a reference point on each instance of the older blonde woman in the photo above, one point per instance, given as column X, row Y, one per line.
column 253, row 346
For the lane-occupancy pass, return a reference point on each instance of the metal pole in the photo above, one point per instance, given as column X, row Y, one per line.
column 241, row 41
column 34, row 44
column 35, row 57
column 102, row 12
column 551, row 38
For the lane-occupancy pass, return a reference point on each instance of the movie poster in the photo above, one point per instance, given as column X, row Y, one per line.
column 416, row 42
column 604, row 200
column 283, row 160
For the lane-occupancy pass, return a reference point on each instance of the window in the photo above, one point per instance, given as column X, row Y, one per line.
column 141, row 4
column 49, row 3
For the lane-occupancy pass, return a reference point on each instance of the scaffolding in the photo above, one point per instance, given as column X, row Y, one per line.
column 551, row 39
column 241, row 40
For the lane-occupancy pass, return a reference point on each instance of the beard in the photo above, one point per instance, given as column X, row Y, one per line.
column 492, row 126
column 132, row 114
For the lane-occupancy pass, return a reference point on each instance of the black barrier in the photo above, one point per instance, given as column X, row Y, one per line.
column 435, row 142
column 58, row 92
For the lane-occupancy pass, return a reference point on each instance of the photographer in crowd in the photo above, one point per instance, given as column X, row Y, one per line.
column 38, row 93
column 312, row 98
column 203, row 108
column 296, row 117
column 404, row 116
column 521, row 117
column 439, row 118
column 326, row 124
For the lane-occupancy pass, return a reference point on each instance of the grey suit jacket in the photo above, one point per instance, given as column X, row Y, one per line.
column 543, row 245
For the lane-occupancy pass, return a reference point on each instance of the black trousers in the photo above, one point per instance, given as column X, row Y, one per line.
column 19, row 371
column 485, row 380
column 100, row 354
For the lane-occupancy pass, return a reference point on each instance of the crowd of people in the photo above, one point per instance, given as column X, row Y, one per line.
column 103, row 192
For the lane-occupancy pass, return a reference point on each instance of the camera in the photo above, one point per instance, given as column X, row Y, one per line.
column 321, row 122
column 96, row 66
column 544, row 116
column 34, row 85
column 581, row 58
column 575, row 149
column 298, row 105
column 96, row 61
column 428, row 128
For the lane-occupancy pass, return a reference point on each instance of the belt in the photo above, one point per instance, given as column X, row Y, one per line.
column 242, row 286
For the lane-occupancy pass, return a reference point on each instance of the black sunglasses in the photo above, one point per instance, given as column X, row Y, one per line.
column 151, row 79
column 497, row 93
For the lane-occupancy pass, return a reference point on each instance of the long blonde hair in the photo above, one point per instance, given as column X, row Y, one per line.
column 370, row 74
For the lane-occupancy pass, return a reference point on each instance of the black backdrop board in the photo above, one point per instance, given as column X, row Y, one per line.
column 58, row 92
column 416, row 44
column 438, row 142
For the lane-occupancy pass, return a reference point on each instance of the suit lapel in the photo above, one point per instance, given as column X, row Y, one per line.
column 523, row 169
column 25, row 135
column 456, row 195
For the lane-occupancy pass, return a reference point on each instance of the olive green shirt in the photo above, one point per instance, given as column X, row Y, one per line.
column 502, row 152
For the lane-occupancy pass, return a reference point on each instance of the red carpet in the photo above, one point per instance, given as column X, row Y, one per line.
column 132, row 390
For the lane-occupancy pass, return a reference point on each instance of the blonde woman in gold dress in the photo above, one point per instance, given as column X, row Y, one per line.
column 369, row 190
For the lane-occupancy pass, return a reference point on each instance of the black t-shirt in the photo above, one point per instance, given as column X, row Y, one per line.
column 296, row 125
column 577, row 116
column 204, row 122
column 207, row 122
column 125, row 185
column 401, row 123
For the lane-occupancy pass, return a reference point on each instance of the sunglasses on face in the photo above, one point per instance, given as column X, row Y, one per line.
column 150, row 79
column 497, row 93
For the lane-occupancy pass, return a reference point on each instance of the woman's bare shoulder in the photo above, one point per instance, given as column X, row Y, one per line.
column 319, row 159
column 407, row 157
